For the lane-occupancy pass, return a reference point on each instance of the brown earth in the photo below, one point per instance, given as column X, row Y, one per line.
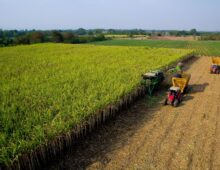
column 152, row 136
column 177, row 38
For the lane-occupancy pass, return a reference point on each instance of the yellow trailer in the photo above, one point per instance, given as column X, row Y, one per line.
column 216, row 60
column 181, row 82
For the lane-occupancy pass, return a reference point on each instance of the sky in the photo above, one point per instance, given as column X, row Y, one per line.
column 204, row 15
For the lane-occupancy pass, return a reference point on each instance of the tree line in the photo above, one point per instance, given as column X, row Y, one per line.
column 16, row 37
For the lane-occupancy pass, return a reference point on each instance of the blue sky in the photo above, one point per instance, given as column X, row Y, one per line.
column 125, row 14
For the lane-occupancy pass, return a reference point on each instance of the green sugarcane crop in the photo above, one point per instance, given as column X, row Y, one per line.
column 46, row 89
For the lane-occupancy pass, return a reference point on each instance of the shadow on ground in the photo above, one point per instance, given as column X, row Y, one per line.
column 198, row 88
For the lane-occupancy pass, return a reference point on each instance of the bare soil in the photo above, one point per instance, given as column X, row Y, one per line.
column 184, row 38
column 152, row 136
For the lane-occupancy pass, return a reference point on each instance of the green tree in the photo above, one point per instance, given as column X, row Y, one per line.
column 57, row 37
column 24, row 39
column 193, row 32
column 81, row 31
column 68, row 37
column 90, row 32
column 36, row 37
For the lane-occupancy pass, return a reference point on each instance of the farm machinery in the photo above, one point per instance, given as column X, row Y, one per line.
column 215, row 67
column 152, row 80
column 178, row 89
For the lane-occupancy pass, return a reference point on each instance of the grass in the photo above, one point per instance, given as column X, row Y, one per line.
column 46, row 89
column 207, row 48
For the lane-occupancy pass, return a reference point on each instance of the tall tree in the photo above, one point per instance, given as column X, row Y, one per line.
column 193, row 32
column 81, row 31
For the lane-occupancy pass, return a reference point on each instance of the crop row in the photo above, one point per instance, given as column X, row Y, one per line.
column 207, row 48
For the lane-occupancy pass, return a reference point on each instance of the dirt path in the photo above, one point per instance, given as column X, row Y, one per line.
column 152, row 136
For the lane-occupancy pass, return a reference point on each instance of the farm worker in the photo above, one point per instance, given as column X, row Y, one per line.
column 178, row 70
column 179, row 67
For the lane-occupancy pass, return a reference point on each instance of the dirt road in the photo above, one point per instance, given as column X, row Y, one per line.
column 152, row 136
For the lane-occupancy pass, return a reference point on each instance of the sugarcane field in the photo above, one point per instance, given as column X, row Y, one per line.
column 78, row 92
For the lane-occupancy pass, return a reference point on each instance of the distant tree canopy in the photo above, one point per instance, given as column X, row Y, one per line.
column 16, row 37
column 68, row 37
column 193, row 32
column 36, row 37
column 214, row 37
column 185, row 33
column 81, row 31
column 57, row 37
column 81, row 35
column 23, row 39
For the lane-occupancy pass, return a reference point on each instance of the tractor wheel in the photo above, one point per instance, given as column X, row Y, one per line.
column 175, row 103
column 165, row 102
column 186, row 89
column 180, row 98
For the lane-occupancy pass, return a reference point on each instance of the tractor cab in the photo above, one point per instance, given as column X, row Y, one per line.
column 174, row 96
column 154, row 75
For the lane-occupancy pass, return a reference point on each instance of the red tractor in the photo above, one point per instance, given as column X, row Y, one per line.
column 215, row 67
column 174, row 96
column 176, row 92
